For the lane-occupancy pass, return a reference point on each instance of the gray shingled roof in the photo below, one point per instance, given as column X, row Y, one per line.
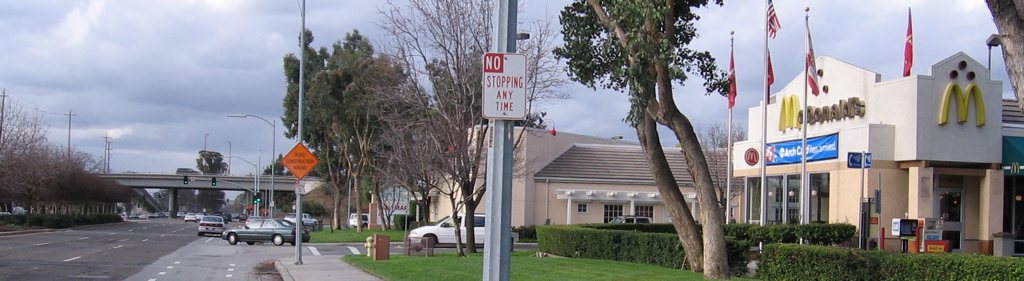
column 611, row 163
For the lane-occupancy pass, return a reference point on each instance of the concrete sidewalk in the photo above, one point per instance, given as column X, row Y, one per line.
column 321, row 268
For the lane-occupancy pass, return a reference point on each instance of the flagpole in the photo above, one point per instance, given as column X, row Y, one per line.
column 728, row 178
column 804, row 181
column 764, row 124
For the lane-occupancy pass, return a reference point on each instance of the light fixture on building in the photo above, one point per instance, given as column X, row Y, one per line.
column 814, row 193
column 771, row 194
column 1018, row 198
column 792, row 193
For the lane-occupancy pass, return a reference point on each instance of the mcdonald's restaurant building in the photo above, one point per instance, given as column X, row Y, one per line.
column 944, row 146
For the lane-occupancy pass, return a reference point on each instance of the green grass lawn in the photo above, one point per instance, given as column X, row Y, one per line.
column 525, row 266
column 351, row 236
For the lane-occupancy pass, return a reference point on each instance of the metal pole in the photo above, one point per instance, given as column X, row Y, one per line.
column 497, row 253
column 229, row 157
column 3, row 104
column 728, row 151
column 804, row 208
column 273, row 164
column 302, row 78
column 69, row 133
column 764, row 130
column 860, row 241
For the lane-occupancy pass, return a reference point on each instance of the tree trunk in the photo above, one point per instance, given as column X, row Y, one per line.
column 470, row 226
column 1009, row 18
column 682, row 218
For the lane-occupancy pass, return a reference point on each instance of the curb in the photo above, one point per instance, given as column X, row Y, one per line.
column 283, row 271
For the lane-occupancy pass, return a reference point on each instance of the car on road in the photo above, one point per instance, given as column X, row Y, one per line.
column 277, row 231
column 186, row 171
column 307, row 220
column 443, row 231
column 211, row 225
column 631, row 219
column 191, row 217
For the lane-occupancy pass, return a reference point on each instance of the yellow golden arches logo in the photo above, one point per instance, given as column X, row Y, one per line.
column 963, row 100
column 789, row 113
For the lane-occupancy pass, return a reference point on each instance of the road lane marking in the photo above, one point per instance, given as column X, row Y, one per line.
column 80, row 238
column 74, row 258
column 231, row 264
column 144, row 240
column 40, row 244
column 118, row 246
column 313, row 250
column 162, row 273
column 231, row 269
column 208, row 240
column 228, row 276
column 354, row 250
column 177, row 262
column 151, row 280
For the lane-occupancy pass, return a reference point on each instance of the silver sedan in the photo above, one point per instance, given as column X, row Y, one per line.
column 211, row 224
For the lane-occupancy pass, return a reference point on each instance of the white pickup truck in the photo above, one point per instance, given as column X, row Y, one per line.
column 307, row 220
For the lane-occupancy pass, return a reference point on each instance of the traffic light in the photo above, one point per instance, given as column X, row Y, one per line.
column 257, row 199
column 185, row 180
column 213, row 182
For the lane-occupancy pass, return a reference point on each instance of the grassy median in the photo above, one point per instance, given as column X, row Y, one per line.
column 351, row 236
column 525, row 266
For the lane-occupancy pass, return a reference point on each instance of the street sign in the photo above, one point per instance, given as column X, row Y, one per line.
column 853, row 160
column 504, row 84
column 299, row 161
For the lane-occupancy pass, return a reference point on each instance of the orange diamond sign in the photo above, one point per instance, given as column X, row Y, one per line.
column 300, row 161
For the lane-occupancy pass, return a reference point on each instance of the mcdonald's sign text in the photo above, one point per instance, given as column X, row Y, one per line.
column 963, row 100
column 791, row 117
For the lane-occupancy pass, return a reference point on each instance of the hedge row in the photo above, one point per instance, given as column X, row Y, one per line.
column 629, row 245
column 815, row 233
column 58, row 220
column 809, row 262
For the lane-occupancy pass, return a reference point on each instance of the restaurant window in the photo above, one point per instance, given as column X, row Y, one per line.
column 612, row 211
column 644, row 211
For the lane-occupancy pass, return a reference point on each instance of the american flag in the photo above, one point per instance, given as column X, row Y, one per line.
column 773, row 21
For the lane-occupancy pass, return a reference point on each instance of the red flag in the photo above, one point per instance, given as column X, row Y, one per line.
column 732, row 79
column 552, row 132
column 771, row 71
column 908, row 51
column 811, row 69
column 773, row 21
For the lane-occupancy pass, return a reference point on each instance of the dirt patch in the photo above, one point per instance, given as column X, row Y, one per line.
column 266, row 271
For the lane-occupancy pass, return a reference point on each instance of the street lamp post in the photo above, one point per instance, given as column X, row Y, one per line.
column 229, row 157
column 256, row 179
column 273, row 153
column 204, row 140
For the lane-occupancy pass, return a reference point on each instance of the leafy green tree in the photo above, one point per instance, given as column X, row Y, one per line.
column 211, row 162
column 341, row 125
column 641, row 47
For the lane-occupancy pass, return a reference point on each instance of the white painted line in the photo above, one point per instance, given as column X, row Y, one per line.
column 80, row 238
column 144, row 240
column 228, row 276
column 71, row 259
column 231, row 264
column 170, row 266
column 118, row 246
column 130, row 230
column 208, row 240
column 162, row 273
column 231, row 269
column 354, row 250
column 151, row 279
column 177, row 262
column 40, row 244
column 313, row 250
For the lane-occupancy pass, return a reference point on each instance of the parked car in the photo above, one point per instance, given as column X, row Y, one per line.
column 277, row 231
column 443, row 231
column 352, row 220
column 631, row 219
column 307, row 220
column 191, row 217
column 211, row 225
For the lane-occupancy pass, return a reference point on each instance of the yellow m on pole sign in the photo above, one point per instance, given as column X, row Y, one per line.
column 963, row 100
column 789, row 113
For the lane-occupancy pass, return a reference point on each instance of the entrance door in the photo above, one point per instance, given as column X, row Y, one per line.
column 950, row 204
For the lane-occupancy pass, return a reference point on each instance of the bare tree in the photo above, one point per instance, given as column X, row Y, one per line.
column 1009, row 18
column 714, row 140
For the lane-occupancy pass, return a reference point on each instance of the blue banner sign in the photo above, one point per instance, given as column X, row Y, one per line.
column 819, row 148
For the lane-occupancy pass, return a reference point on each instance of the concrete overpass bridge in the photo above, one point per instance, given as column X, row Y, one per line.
column 174, row 182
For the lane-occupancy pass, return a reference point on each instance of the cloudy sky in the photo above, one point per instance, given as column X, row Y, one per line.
column 159, row 76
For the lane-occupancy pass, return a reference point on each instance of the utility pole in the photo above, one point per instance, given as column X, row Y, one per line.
column 3, row 103
column 69, row 115
column 106, row 152
column 302, row 91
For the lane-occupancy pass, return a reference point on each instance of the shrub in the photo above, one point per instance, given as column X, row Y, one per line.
column 826, row 234
column 740, row 231
column 809, row 262
column 774, row 233
column 623, row 244
column 402, row 222
column 526, row 232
